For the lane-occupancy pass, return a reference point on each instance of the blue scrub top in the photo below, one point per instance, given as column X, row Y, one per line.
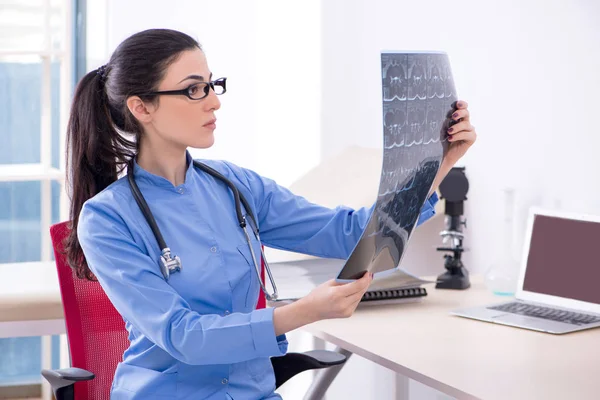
column 198, row 335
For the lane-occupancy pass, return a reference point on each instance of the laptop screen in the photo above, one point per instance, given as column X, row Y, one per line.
column 564, row 259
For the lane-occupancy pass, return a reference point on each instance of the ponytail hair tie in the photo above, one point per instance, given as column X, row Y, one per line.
column 101, row 72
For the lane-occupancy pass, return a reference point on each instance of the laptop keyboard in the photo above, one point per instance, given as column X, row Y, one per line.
column 568, row 317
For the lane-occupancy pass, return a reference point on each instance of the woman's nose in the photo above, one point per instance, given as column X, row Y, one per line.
column 212, row 100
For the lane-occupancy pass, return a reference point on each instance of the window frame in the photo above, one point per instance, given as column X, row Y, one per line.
column 43, row 171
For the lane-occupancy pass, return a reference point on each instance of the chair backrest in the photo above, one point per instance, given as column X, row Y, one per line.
column 95, row 330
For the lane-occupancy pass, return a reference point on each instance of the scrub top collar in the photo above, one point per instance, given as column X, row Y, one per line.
column 141, row 174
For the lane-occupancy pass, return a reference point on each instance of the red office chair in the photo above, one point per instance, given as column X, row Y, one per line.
column 97, row 337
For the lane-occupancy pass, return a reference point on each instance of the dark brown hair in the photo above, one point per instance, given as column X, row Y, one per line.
column 102, row 134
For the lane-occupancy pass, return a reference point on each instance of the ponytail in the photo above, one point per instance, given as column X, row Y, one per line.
column 96, row 154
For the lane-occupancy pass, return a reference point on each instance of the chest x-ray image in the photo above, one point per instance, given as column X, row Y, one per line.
column 418, row 99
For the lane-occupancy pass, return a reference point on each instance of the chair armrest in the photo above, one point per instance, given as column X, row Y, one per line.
column 326, row 358
column 62, row 380
column 291, row 364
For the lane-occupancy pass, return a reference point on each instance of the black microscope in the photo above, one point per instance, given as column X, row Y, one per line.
column 453, row 190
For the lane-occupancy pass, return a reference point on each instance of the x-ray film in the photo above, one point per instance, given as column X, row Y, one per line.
column 418, row 100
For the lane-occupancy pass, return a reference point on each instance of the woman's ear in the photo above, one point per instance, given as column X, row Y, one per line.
column 139, row 109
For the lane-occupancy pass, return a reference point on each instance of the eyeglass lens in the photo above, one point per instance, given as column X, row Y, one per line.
column 200, row 90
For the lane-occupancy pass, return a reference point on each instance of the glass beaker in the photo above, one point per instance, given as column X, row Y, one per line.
column 502, row 276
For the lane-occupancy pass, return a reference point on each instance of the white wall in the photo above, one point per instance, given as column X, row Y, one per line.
column 268, row 54
column 528, row 70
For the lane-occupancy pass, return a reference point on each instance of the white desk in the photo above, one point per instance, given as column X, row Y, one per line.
column 30, row 305
column 469, row 359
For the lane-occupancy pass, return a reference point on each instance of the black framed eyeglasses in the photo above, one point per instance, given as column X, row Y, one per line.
column 198, row 90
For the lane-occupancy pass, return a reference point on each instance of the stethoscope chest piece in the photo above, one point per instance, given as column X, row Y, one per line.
column 168, row 263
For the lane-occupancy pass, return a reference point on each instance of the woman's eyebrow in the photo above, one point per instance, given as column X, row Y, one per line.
column 197, row 77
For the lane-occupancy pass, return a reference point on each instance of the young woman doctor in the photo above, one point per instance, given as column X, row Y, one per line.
column 197, row 334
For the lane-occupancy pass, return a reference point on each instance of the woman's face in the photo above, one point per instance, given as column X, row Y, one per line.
column 178, row 119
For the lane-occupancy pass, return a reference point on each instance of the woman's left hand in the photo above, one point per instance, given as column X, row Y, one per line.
column 462, row 135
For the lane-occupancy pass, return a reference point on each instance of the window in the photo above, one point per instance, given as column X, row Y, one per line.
column 35, row 92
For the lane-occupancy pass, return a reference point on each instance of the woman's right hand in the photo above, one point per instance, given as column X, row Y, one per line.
column 328, row 300
column 337, row 300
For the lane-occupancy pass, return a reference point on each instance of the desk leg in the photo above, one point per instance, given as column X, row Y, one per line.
column 402, row 387
column 46, row 364
column 324, row 379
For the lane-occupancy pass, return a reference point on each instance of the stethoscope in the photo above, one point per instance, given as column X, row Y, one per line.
column 171, row 263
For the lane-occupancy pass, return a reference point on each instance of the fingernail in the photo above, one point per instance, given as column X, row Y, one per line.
column 449, row 138
column 450, row 130
column 454, row 115
column 459, row 104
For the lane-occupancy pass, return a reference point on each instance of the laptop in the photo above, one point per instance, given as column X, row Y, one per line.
column 559, row 282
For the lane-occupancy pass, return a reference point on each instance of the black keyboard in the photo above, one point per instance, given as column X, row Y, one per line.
column 568, row 317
